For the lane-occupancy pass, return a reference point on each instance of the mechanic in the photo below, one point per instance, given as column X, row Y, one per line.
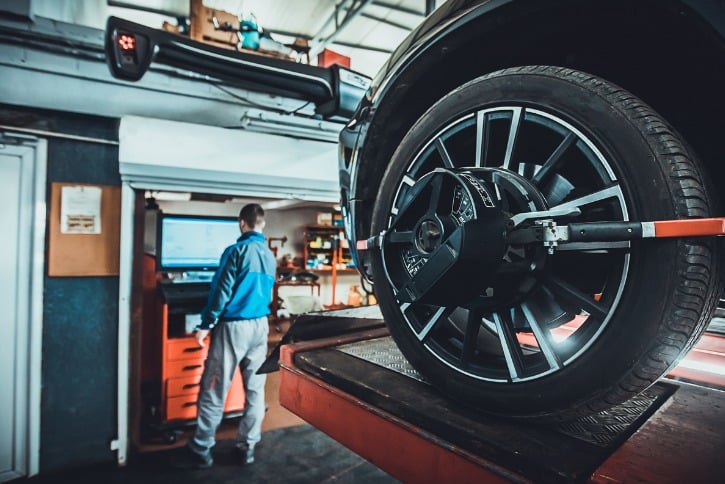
column 236, row 314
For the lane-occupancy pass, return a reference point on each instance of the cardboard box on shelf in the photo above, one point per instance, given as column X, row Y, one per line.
column 169, row 27
column 210, row 32
column 204, row 28
column 220, row 28
column 324, row 218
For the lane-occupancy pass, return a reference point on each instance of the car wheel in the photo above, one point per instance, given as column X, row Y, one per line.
column 511, row 326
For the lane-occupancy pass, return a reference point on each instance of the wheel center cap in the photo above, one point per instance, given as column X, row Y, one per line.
column 428, row 236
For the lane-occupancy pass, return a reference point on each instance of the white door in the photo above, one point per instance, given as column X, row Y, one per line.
column 18, row 272
column 10, row 178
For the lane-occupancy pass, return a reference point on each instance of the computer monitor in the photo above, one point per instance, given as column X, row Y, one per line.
column 192, row 242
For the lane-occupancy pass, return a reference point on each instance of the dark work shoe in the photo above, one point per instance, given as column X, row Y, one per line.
column 246, row 454
column 189, row 459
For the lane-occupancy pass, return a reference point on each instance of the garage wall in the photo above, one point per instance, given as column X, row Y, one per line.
column 80, row 314
column 80, row 331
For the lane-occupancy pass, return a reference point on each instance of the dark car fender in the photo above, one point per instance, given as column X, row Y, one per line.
column 387, row 110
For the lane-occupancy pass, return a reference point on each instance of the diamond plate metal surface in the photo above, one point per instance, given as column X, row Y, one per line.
column 382, row 352
column 362, row 312
column 603, row 428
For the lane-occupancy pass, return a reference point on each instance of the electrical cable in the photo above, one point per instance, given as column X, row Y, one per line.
column 256, row 104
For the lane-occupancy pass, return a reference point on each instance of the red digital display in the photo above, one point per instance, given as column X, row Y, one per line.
column 127, row 42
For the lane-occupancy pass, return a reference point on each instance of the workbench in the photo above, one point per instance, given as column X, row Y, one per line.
column 359, row 389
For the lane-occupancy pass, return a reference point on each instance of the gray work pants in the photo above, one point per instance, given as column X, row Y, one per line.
column 233, row 344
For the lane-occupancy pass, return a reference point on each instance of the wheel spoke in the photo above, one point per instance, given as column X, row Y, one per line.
column 510, row 346
column 440, row 314
column 473, row 326
column 574, row 296
column 481, row 139
column 554, row 159
column 543, row 338
column 443, row 152
column 609, row 192
column 513, row 134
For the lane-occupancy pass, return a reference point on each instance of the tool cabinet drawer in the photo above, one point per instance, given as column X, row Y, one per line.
column 183, row 368
column 188, row 385
column 183, row 407
column 185, row 349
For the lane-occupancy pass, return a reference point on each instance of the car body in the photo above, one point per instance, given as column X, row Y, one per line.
column 580, row 117
column 670, row 53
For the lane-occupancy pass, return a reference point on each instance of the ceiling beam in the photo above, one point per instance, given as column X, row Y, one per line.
column 333, row 17
column 399, row 8
column 319, row 42
column 363, row 47
column 386, row 21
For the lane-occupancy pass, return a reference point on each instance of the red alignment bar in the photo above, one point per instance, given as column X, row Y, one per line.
column 690, row 227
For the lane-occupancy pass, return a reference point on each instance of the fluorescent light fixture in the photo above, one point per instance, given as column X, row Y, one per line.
column 290, row 125
column 282, row 204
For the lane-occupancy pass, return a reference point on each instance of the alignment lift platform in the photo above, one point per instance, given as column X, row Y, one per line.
column 359, row 389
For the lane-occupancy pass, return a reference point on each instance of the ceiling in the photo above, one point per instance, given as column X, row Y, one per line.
column 367, row 31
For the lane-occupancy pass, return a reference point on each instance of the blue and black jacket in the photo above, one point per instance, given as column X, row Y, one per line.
column 242, row 285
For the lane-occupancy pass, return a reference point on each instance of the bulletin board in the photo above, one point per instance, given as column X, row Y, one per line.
column 93, row 250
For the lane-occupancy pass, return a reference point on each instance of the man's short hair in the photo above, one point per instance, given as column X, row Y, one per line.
column 252, row 214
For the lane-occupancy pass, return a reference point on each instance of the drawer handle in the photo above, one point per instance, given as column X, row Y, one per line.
column 192, row 350
column 189, row 404
column 190, row 385
column 190, row 367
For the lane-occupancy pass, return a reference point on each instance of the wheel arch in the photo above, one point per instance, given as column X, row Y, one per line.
column 664, row 52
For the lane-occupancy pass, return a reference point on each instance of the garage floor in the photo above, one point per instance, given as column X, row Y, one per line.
column 291, row 451
column 299, row 454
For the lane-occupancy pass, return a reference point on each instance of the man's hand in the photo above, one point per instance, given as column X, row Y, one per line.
column 200, row 335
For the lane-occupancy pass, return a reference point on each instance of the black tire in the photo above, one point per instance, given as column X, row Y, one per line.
column 668, row 289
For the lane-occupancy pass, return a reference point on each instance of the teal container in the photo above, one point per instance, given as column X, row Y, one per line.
column 250, row 34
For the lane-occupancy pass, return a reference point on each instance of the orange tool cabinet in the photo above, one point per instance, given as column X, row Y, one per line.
column 171, row 360
column 181, row 377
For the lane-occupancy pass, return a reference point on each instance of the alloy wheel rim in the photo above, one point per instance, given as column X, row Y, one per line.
column 563, row 314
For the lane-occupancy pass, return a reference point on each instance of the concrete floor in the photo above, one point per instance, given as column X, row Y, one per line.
column 291, row 451
column 299, row 454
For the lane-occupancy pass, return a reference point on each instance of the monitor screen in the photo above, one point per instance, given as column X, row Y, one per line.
column 194, row 243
